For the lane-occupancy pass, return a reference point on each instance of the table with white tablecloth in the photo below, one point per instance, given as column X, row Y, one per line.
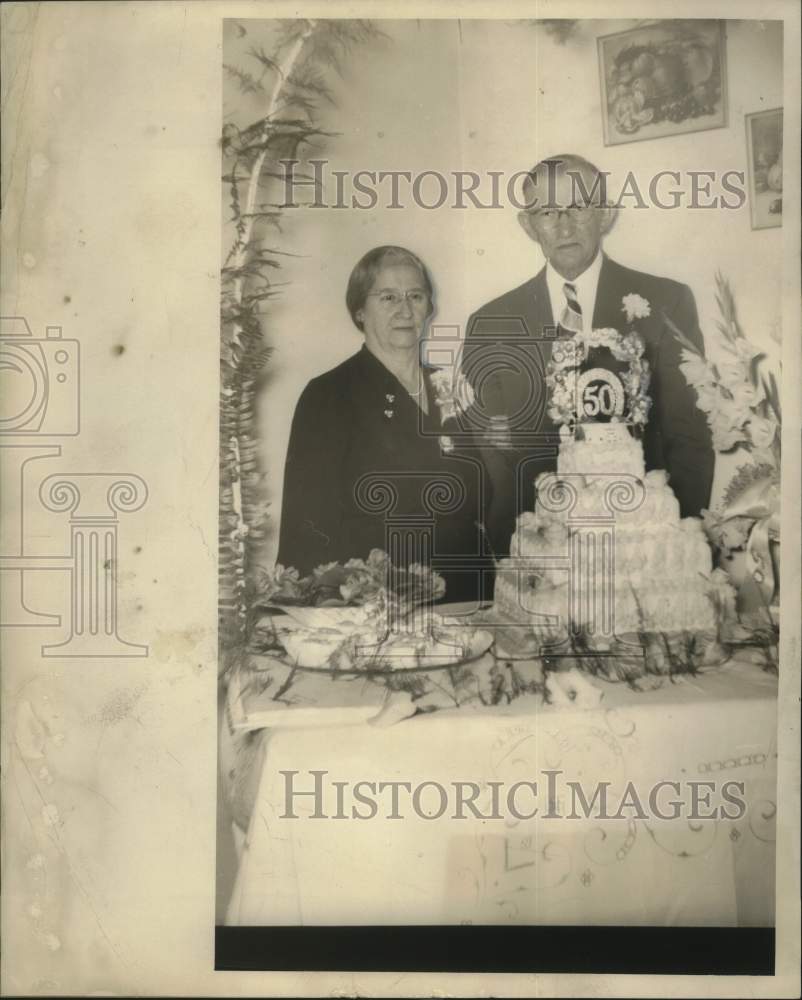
column 717, row 726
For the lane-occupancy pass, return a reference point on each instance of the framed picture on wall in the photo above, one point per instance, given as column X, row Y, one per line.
column 663, row 79
column 764, row 145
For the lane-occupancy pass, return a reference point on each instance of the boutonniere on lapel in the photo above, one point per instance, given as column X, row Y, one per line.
column 453, row 394
column 636, row 307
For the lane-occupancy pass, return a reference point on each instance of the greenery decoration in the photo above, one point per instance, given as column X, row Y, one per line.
column 293, row 79
column 742, row 405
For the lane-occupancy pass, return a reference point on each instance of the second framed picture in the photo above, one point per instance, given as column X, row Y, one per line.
column 764, row 143
column 663, row 79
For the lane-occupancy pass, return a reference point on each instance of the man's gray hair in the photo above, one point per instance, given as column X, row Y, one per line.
column 573, row 165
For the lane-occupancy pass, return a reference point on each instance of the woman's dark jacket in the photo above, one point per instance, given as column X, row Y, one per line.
column 366, row 469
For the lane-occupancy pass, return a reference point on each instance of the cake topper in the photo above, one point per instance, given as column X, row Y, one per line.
column 598, row 394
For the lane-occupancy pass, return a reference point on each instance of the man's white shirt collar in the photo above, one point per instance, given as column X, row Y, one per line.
column 586, row 285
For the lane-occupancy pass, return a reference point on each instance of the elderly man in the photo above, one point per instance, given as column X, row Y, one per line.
column 509, row 340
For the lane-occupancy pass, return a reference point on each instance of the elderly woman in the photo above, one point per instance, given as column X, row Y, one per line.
column 377, row 413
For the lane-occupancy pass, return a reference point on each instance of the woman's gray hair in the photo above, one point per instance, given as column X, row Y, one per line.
column 364, row 275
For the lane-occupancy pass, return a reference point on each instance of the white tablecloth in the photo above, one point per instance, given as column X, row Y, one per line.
column 718, row 726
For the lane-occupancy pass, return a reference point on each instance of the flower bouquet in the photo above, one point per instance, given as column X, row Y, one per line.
column 743, row 411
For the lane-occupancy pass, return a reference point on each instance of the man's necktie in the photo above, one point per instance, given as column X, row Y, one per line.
column 571, row 317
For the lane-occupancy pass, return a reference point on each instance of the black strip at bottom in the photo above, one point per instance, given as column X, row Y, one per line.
column 720, row 951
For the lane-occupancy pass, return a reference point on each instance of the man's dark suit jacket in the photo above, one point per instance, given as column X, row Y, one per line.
column 358, row 419
column 677, row 437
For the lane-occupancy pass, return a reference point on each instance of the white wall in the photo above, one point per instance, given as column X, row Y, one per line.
column 499, row 95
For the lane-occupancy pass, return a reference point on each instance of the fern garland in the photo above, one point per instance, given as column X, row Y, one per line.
column 292, row 79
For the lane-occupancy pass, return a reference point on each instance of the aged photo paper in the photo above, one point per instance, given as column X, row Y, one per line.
column 400, row 498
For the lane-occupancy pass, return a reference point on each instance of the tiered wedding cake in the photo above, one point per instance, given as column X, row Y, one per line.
column 605, row 555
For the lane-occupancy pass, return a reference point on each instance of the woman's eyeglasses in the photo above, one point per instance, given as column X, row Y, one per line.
column 390, row 298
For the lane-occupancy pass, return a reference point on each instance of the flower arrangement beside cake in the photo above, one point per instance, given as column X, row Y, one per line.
column 742, row 403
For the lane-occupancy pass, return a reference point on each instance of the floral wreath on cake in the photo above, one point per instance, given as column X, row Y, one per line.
column 567, row 355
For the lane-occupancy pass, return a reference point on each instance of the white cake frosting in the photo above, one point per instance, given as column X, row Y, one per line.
column 657, row 565
column 601, row 448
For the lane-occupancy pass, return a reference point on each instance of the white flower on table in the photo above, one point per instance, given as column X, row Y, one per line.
column 636, row 307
